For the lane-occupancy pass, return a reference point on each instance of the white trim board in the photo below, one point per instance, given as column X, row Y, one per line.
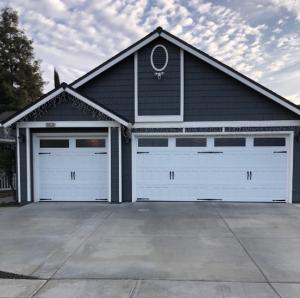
column 231, row 73
column 28, row 163
column 115, row 61
column 18, row 165
column 217, row 124
column 196, row 53
column 71, row 92
column 158, row 118
column 74, row 124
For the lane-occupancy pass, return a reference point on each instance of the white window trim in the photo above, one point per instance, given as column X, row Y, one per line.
column 290, row 147
column 159, row 118
column 38, row 136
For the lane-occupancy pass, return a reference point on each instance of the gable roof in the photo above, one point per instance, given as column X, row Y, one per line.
column 159, row 32
column 52, row 94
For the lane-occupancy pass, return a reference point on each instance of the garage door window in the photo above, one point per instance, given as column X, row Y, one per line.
column 90, row 143
column 153, row 142
column 54, row 143
column 230, row 142
column 190, row 142
column 269, row 142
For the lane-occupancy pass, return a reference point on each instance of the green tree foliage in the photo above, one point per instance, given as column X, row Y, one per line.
column 20, row 75
column 56, row 79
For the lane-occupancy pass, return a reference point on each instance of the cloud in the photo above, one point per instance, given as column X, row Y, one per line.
column 290, row 5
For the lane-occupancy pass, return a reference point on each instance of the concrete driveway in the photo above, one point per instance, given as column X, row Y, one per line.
column 146, row 250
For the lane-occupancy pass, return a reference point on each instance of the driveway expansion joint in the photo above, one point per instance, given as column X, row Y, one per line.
column 246, row 251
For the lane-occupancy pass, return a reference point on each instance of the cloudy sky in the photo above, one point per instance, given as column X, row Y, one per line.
column 260, row 38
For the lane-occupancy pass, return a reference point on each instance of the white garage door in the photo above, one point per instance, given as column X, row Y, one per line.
column 212, row 168
column 71, row 168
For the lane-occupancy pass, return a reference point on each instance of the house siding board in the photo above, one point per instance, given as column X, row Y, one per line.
column 296, row 172
column 159, row 97
column 23, row 166
column 211, row 95
column 126, row 172
column 114, row 165
column 114, row 88
column 66, row 112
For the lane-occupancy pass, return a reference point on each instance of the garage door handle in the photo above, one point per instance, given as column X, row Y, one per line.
column 250, row 175
column 74, row 175
column 170, row 173
column 173, row 174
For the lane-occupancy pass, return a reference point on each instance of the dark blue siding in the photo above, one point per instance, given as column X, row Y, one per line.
column 211, row 95
column 114, row 165
column 65, row 112
column 159, row 97
column 126, row 172
column 114, row 88
column 296, row 174
column 23, row 166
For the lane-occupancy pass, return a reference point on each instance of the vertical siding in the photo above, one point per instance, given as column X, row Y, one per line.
column 159, row 97
column 211, row 95
column 296, row 172
column 114, row 138
column 23, row 166
column 126, row 172
column 114, row 88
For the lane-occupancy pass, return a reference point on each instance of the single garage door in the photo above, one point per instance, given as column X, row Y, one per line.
column 250, row 169
column 72, row 168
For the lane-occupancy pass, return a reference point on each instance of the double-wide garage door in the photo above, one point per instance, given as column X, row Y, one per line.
column 212, row 168
column 71, row 168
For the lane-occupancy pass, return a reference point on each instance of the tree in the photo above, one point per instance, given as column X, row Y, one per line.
column 56, row 79
column 20, row 75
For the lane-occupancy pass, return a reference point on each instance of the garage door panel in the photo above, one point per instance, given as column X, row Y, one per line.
column 239, row 173
column 73, row 173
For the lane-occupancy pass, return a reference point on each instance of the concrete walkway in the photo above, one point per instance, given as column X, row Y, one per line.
column 146, row 250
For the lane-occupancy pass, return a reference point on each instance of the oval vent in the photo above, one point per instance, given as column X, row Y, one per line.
column 159, row 57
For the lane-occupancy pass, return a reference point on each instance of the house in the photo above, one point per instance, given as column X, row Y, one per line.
column 160, row 121
column 7, row 138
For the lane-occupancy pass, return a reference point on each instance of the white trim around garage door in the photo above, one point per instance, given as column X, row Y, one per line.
column 288, row 134
column 18, row 164
column 37, row 136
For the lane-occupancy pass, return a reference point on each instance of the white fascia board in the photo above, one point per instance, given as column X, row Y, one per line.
column 97, row 107
column 217, row 124
column 75, row 94
column 231, row 73
column 32, row 108
column 116, row 60
column 43, row 124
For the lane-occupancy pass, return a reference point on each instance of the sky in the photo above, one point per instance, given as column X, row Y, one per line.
column 261, row 39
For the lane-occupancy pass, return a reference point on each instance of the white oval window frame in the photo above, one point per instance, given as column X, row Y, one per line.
column 167, row 57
